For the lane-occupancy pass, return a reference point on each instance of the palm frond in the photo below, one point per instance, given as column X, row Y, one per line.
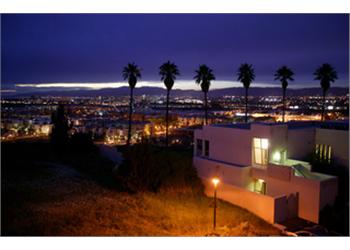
column 168, row 72
column 284, row 74
column 204, row 76
column 246, row 74
column 131, row 72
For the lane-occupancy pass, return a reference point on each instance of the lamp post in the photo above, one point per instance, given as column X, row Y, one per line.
column 215, row 181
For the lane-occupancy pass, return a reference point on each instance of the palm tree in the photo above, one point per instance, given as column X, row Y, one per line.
column 168, row 72
column 131, row 72
column 203, row 77
column 284, row 74
column 246, row 76
column 326, row 74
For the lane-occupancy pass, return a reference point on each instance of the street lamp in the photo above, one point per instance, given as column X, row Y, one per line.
column 215, row 181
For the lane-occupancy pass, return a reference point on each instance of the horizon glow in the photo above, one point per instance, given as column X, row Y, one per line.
column 180, row 84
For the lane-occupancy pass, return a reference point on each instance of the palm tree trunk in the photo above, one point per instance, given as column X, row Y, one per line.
column 130, row 115
column 284, row 104
column 167, row 119
column 206, row 107
column 246, row 105
column 323, row 105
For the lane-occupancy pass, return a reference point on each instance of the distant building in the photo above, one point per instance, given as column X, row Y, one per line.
column 261, row 165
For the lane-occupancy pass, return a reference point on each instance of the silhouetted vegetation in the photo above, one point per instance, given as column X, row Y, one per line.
column 168, row 72
column 204, row 76
column 335, row 217
column 326, row 74
column 60, row 128
column 284, row 74
column 131, row 72
column 81, row 143
column 151, row 168
column 333, row 169
column 246, row 76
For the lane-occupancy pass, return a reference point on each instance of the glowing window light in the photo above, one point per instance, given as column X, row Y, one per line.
column 276, row 156
column 264, row 143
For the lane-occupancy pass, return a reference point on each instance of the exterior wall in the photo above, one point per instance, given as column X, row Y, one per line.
column 338, row 140
column 301, row 143
column 236, row 186
column 313, row 194
column 328, row 192
column 230, row 174
column 278, row 140
column 271, row 209
column 225, row 145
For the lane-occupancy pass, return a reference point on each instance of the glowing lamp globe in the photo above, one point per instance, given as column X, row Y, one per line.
column 215, row 181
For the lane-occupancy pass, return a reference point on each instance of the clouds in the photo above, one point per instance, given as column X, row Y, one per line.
column 179, row 84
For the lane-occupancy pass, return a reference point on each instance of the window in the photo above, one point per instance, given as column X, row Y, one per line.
column 323, row 152
column 206, row 148
column 260, row 151
column 260, row 186
column 199, row 149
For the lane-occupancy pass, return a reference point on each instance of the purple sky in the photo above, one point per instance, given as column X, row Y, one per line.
column 63, row 48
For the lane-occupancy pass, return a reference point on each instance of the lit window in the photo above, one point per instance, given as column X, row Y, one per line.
column 199, row 149
column 264, row 143
column 323, row 152
column 260, row 151
column 260, row 186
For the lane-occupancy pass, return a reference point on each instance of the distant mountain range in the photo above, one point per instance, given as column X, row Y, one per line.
column 125, row 91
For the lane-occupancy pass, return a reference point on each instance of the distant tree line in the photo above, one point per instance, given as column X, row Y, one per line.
column 60, row 138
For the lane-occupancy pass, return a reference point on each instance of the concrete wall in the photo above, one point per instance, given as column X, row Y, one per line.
column 236, row 183
column 338, row 140
column 228, row 173
column 227, row 144
column 309, row 200
column 328, row 192
column 301, row 143
column 278, row 139
column 271, row 209
column 281, row 181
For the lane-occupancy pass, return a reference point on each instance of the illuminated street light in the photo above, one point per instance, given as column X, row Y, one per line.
column 215, row 181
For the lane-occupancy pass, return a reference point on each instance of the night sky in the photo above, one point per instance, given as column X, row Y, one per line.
column 63, row 48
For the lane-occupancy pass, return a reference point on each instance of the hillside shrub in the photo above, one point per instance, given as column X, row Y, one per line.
column 150, row 168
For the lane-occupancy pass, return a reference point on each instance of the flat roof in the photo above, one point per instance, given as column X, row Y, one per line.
column 338, row 125
column 233, row 125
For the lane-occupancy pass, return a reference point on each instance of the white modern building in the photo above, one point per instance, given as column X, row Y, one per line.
column 261, row 165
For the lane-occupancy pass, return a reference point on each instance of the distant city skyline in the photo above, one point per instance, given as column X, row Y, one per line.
column 90, row 50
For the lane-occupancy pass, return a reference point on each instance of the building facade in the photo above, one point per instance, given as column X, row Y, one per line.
column 262, row 166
